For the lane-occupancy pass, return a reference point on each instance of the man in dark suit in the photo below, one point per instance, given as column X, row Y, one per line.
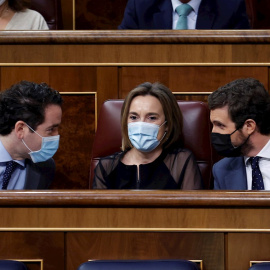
column 240, row 113
column 206, row 14
column 30, row 114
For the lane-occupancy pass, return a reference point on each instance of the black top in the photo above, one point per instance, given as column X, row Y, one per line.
column 176, row 169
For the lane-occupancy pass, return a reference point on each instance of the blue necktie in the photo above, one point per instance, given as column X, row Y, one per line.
column 183, row 11
column 10, row 167
column 257, row 179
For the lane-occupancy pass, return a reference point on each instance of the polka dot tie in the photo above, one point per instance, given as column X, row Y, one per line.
column 10, row 167
column 183, row 11
column 257, row 179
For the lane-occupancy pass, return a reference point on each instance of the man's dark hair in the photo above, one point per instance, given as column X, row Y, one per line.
column 246, row 99
column 26, row 101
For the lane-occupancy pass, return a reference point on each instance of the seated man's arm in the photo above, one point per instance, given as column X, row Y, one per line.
column 216, row 180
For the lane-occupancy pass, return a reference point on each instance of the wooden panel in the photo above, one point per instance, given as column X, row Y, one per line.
column 34, row 245
column 107, row 84
column 208, row 247
column 203, row 98
column 67, row 14
column 150, row 47
column 118, row 53
column 73, row 79
column 77, row 130
column 12, row 75
column 255, row 53
column 103, row 80
column 92, row 14
column 188, row 79
column 135, row 219
column 243, row 248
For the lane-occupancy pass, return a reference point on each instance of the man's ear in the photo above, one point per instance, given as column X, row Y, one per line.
column 20, row 129
column 250, row 126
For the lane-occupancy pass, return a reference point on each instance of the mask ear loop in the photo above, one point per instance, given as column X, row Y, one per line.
column 163, row 136
column 33, row 131
column 162, row 124
column 26, row 145
column 164, row 132
column 233, row 132
column 24, row 141
column 243, row 142
column 238, row 128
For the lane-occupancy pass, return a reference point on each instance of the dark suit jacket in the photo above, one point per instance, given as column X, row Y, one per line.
column 39, row 175
column 230, row 173
column 213, row 14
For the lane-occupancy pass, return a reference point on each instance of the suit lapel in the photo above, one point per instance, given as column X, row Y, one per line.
column 236, row 178
column 206, row 15
column 162, row 18
column 32, row 176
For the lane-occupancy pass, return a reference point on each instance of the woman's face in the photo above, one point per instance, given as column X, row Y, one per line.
column 147, row 109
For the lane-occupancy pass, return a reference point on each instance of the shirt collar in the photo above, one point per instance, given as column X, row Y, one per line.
column 195, row 4
column 264, row 153
column 5, row 156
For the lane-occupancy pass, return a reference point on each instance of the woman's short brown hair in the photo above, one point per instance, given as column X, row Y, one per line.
column 19, row 5
column 173, row 115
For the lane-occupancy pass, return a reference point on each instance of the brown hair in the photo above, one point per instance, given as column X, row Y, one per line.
column 173, row 115
column 19, row 5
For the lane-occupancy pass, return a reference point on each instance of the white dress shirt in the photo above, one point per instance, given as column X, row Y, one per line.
column 17, row 179
column 264, row 164
column 191, row 18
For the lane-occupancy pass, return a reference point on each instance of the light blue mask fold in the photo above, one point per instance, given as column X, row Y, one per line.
column 48, row 148
column 143, row 136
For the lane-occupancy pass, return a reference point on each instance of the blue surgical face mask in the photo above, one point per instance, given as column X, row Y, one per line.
column 48, row 148
column 143, row 136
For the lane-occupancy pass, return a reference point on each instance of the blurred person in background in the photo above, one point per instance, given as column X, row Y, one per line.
column 185, row 14
column 16, row 15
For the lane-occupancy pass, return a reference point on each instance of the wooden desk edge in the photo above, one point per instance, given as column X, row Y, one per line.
column 135, row 198
column 135, row 36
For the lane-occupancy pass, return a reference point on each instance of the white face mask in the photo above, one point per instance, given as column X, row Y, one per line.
column 48, row 148
column 2, row 2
